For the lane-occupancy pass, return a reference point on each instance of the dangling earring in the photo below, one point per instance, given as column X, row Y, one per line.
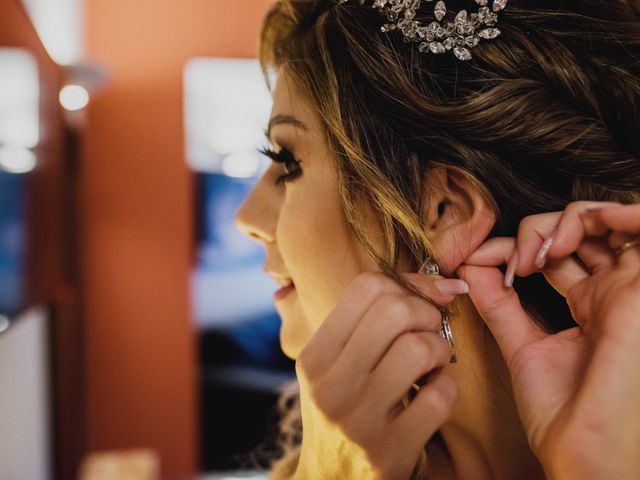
column 429, row 267
column 447, row 334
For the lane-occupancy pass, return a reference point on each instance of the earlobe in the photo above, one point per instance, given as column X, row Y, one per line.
column 458, row 214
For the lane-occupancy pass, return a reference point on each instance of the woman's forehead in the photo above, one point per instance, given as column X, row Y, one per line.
column 287, row 101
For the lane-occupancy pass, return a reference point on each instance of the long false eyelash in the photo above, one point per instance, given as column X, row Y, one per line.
column 286, row 158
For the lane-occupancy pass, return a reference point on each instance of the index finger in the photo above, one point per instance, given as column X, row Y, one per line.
column 621, row 218
column 339, row 325
column 580, row 220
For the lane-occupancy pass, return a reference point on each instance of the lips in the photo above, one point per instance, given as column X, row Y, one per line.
column 282, row 292
column 279, row 278
column 284, row 281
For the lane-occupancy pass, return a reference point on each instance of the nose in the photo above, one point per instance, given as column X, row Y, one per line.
column 258, row 215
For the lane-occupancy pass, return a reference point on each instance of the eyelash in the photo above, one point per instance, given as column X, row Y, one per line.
column 286, row 158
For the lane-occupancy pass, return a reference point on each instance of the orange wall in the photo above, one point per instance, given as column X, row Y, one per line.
column 137, row 217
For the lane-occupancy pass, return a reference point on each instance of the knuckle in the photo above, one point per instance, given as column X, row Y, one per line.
column 403, row 322
column 529, row 225
column 576, row 206
column 526, row 223
column 434, row 352
column 532, row 224
column 433, row 317
column 393, row 306
column 413, row 347
column 371, row 282
column 441, row 349
column 442, row 396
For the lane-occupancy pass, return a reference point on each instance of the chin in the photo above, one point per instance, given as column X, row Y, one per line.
column 289, row 347
column 293, row 339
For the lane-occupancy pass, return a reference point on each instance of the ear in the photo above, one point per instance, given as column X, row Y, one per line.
column 457, row 216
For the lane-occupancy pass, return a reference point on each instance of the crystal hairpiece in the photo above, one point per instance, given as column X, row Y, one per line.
column 461, row 35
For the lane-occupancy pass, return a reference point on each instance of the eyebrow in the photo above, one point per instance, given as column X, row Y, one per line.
column 283, row 120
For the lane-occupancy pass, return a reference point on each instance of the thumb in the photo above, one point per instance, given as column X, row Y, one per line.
column 500, row 308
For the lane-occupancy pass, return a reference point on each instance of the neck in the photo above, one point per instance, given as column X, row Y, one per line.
column 484, row 436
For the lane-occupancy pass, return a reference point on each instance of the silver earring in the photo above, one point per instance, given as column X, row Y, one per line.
column 429, row 267
column 447, row 334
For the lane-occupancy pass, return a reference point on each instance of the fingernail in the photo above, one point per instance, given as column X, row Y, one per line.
column 593, row 207
column 541, row 257
column 451, row 286
column 511, row 269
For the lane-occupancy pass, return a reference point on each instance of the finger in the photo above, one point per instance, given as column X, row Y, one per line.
column 532, row 233
column 495, row 252
column 621, row 218
column 595, row 253
column 578, row 221
column 625, row 250
column 439, row 289
column 624, row 221
column 430, row 408
column 334, row 332
column 492, row 253
column 500, row 309
column 563, row 274
column 411, row 356
column 538, row 234
column 388, row 319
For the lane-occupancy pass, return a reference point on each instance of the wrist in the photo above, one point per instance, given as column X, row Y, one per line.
column 576, row 463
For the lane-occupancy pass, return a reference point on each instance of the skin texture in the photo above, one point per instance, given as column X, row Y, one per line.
column 509, row 409
column 576, row 391
column 302, row 225
column 306, row 237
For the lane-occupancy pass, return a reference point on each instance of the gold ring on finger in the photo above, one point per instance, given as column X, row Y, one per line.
column 626, row 246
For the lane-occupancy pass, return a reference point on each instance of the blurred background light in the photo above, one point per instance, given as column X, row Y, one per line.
column 243, row 164
column 226, row 109
column 19, row 98
column 4, row 324
column 59, row 24
column 74, row 97
column 17, row 160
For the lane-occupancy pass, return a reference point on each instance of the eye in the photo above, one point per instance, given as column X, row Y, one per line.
column 286, row 158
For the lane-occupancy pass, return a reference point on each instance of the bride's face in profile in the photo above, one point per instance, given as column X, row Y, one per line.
column 300, row 220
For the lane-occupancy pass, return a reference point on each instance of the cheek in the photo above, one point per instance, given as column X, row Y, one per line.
column 319, row 252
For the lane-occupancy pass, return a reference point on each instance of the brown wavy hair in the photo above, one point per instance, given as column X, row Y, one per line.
column 547, row 113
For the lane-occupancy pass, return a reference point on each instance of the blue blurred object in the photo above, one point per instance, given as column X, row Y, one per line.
column 233, row 297
column 223, row 247
column 12, row 241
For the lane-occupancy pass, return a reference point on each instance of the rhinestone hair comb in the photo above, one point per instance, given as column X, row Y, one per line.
column 461, row 35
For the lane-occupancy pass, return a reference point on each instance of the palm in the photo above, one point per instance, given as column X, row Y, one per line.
column 576, row 391
column 545, row 375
